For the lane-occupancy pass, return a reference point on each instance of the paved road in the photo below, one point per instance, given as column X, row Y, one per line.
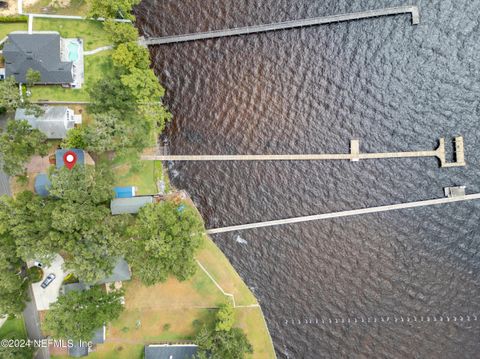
column 32, row 323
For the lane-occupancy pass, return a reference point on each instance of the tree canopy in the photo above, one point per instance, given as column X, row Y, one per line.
column 164, row 240
column 120, row 32
column 112, row 8
column 18, row 143
column 223, row 341
column 10, row 97
column 33, row 77
column 130, row 56
column 78, row 314
column 12, row 283
column 81, row 222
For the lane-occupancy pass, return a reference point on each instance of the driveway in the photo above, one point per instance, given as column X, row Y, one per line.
column 49, row 295
column 4, row 180
column 32, row 323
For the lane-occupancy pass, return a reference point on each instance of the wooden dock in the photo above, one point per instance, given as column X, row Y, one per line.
column 354, row 155
column 355, row 212
column 285, row 25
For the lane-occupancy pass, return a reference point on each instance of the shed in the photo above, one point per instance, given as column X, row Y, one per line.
column 129, row 205
column 42, row 185
column 124, row 192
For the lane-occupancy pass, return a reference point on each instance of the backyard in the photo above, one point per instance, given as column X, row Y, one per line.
column 71, row 7
column 91, row 31
column 8, row 27
column 96, row 66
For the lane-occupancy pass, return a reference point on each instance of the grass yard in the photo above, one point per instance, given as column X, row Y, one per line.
column 6, row 28
column 174, row 311
column 91, row 31
column 13, row 328
column 131, row 171
column 76, row 7
column 96, row 66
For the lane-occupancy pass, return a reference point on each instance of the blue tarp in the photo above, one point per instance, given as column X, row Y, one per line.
column 42, row 185
column 59, row 156
column 124, row 192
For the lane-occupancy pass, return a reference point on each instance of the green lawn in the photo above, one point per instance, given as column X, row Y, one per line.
column 6, row 28
column 90, row 31
column 96, row 67
column 13, row 329
column 130, row 171
column 76, row 7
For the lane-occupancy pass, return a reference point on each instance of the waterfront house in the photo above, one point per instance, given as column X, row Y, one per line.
column 39, row 51
column 55, row 122
column 170, row 351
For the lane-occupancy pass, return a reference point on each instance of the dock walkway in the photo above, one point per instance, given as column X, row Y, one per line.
column 355, row 212
column 354, row 155
column 408, row 9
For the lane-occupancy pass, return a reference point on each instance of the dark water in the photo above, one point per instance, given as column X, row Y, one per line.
column 392, row 85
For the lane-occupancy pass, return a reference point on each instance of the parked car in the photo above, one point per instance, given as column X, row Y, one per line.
column 48, row 280
column 38, row 264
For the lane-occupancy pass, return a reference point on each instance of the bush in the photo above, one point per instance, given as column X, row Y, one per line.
column 35, row 274
column 166, row 327
column 16, row 18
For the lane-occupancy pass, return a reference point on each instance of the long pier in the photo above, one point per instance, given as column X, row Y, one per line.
column 355, row 212
column 354, row 155
column 292, row 24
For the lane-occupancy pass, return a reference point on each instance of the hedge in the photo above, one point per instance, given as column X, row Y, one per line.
column 18, row 18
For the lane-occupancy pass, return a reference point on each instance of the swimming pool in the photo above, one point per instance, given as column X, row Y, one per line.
column 73, row 47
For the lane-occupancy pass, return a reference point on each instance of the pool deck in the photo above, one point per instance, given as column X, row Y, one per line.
column 78, row 65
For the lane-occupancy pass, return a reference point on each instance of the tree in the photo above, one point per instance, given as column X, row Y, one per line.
column 223, row 341
column 30, row 223
column 33, row 77
column 77, row 314
column 120, row 32
column 112, row 8
column 10, row 97
column 18, row 143
column 81, row 222
column 143, row 85
column 108, row 133
column 110, row 94
column 83, row 184
column 164, row 240
column 225, row 317
column 7, row 352
column 12, row 284
column 128, row 56
column 75, row 138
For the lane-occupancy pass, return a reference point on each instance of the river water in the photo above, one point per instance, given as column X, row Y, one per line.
column 394, row 86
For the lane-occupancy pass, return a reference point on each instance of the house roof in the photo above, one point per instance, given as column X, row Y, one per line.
column 39, row 51
column 59, row 156
column 120, row 272
column 42, row 185
column 167, row 351
column 74, row 287
column 54, row 123
column 79, row 350
column 129, row 205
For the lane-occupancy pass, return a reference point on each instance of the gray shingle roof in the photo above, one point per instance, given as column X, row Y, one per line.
column 53, row 123
column 121, row 272
column 166, row 351
column 38, row 51
column 129, row 205
column 79, row 350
